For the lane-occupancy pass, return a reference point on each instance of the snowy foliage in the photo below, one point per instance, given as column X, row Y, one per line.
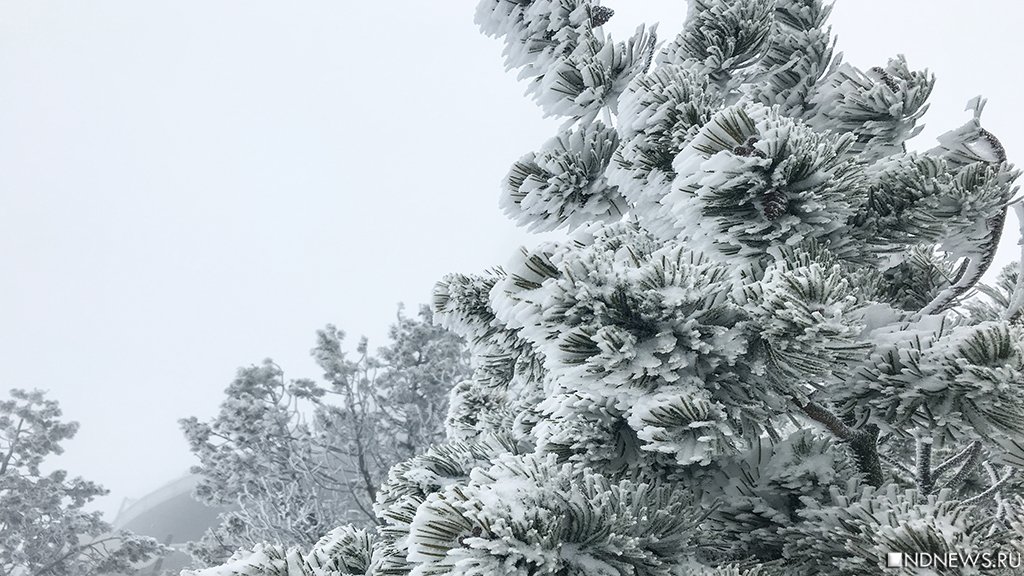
column 756, row 352
column 44, row 528
column 563, row 184
column 574, row 69
column 344, row 551
column 527, row 514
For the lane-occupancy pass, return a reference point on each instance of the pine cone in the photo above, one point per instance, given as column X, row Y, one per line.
column 600, row 15
column 886, row 78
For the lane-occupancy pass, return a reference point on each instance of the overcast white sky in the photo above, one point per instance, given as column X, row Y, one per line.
column 191, row 186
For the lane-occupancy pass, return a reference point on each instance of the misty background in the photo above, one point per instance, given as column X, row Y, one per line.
column 188, row 187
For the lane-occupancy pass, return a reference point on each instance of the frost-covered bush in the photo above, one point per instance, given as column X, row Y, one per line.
column 754, row 353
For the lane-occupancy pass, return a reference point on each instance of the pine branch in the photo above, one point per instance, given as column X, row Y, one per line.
column 925, row 480
column 979, row 262
column 971, row 452
column 897, row 465
column 1001, row 506
column 1016, row 305
column 970, row 462
column 991, row 492
column 863, row 441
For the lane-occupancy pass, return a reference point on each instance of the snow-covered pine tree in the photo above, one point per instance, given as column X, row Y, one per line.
column 755, row 354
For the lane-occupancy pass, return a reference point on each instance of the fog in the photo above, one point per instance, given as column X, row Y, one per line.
column 188, row 187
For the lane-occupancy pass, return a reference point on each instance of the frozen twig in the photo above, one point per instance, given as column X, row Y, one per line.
column 992, row 491
column 863, row 441
column 925, row 480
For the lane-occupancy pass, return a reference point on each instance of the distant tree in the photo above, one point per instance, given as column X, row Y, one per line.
column 44, row 530
column 296, row 458
column 418, row 369
column 259, row 454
